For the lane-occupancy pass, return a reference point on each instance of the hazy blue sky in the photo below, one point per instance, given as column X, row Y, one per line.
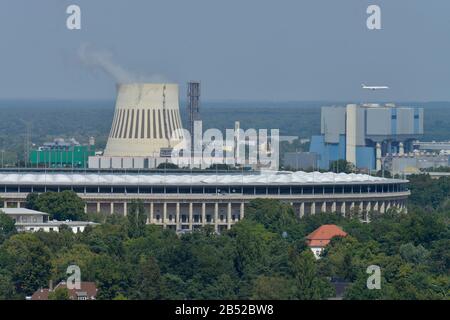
column 239, row 49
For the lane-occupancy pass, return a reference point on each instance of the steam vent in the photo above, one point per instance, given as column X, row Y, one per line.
column 145, row 118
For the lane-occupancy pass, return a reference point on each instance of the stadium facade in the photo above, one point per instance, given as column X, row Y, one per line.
column 188, row 200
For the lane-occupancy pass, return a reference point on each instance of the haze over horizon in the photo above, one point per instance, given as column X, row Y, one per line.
column 241, row 51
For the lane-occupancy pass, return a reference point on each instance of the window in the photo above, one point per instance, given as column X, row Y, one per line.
column 184, row 190
column 261, row 190
column 91, row 189
column 318, row 190
column 236, row 189
column 119, row 190
column 132, row 189
column 285, row 190
column 197, row 189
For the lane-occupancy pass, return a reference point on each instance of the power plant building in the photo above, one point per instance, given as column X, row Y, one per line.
column 363, row 134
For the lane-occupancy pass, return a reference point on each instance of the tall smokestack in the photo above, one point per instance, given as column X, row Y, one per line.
column 193, row 94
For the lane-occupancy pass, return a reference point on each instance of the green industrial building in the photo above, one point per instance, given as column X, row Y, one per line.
column 61, row 155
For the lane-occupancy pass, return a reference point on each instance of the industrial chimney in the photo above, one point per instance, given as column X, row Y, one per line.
column 145, row 119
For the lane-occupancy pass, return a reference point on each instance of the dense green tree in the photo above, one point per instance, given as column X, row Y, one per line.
column 308, row 285
column 172, row 287
column 167, row 165
column 65, row 205
column 253, row 243
column 224, row 287
column 7, row 290
column 27, row 260
column 440, row 257
column 148, row 280
column 78, row 254
column 220, row 166
column 31, row 201
column 137, row 219
column 112, row 276
column 414, row 254
column 275, row 216
column 273, row 288
column 7, row 227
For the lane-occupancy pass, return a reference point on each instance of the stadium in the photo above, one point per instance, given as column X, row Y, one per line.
column 186, row 200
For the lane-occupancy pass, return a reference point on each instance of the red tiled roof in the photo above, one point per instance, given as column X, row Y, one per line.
column 87, row 288
column 322, row 235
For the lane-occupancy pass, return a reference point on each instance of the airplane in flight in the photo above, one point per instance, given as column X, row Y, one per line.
column 374, row 87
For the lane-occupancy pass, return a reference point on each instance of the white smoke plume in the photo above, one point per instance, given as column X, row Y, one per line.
column 103, row 60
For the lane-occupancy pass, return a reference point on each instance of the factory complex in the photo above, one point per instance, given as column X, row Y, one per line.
column 363, row 134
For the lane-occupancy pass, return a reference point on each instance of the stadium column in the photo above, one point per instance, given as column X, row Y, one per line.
column 111, row 208
column 85, row 207
column 343, row 208
column 333, row 207
column 324, row 207
column 18, row 204
column 382, row 207
column 190, row 215
column 302, row 209
column 98, row 206
column 178, row 216
column 229, row 215
column 242, row 210
column 151, row 212
column 203, row 214
column 216, row 216
column 313, row 208
column 164, row 215
column 125, row 209
column 375, row 206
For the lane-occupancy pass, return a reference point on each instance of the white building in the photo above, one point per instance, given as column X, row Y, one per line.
column 27, row 220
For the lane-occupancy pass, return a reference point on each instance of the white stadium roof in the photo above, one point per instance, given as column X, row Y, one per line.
column 195, row 178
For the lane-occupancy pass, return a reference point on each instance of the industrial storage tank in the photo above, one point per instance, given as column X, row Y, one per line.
column 145, row 121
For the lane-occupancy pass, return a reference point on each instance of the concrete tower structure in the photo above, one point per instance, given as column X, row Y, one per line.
column 145, row 119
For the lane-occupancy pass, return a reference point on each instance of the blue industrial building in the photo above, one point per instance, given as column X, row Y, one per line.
column 363, row 134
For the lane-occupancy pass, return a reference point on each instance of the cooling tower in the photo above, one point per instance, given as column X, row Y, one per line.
column 144, row 119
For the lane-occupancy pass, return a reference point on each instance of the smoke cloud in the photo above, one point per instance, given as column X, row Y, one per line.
column 102, row 59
